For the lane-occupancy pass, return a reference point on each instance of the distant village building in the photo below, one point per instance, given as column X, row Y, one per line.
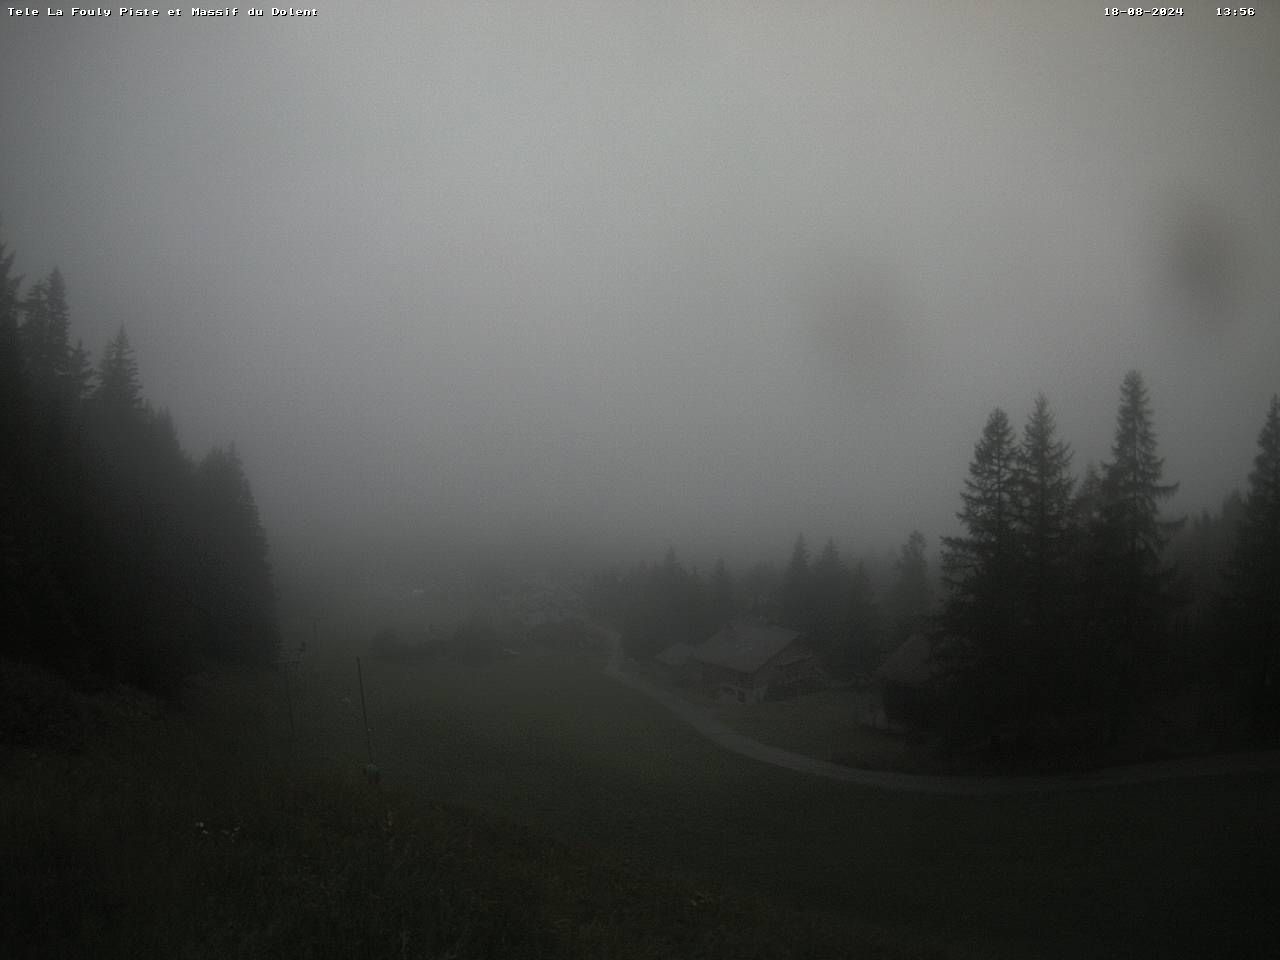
column 749, row 662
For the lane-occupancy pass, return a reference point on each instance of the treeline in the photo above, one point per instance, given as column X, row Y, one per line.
column 121, row 557
column 661, row 604
column 846, row 620
column 1067, row 604
column 1064, row 604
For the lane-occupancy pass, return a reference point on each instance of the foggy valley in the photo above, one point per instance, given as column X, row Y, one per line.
column 640, row 480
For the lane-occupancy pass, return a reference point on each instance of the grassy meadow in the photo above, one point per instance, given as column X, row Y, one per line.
column 533, row 807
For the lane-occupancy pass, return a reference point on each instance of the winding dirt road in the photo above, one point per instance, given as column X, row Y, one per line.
column 721, row 735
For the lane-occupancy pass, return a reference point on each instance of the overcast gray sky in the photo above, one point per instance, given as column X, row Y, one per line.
column 631, row 274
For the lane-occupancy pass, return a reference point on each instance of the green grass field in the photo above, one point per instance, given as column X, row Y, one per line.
column 535, row 808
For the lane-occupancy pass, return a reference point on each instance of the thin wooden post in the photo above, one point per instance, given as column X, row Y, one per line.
column 371, row 771
column 284, row 666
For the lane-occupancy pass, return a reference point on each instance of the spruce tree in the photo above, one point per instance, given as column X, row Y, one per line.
column 829, row 599
column 236, row 608
column 861, row 651
column 11, row 389
column 1255, row 574
column 1045, row 522
column 80, row 374
column 18, row 529
column 119, row 390
column 58, row 331
column 796, row 588
column 722, row 594
column 35, row 330
column 1132, row 582
column 981, row 571
column 908, row 597
column 1132, row 487
column 978, row 567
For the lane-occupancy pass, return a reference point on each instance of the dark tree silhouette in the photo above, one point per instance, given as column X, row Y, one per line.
column 980, row 644
column 46, row 335
column 119, row 390
column 860, row 651
column 760, row 586
column 794, row 600
column 18, row 546
column 11, row 401
column 106, row 526
column 722, row 595
column 1046, row 532
column 1131, row 581
column 828, row 614
column 80, row 374
column 665, row 604
column 1255, row 575
column 236, row 607
column 1205, row 633
column 908, row 598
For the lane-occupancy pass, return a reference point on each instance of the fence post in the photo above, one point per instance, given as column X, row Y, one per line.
column 370, row 771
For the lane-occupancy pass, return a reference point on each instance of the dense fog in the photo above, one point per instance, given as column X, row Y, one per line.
column 572, row 283
column 640, row 479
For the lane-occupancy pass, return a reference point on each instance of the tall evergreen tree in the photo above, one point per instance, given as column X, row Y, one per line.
column 722, row 598
column 1132, row 581
column 80, row 374
column 1086, row 505
column 59, row 319
column 103, row 519
column 861, row 650
column 795, row 594
column 1045, row 525
column 16, row 528
column 978, row 566
column 45, row 336
column 828, row 600
column 236, row 608
column 909, row 596
column 1255, row 574
column 981, row 572
column 1202, row 552
column 1088, row 569
column 1132, row 488
column 671, row 605
column 44, row 486
column 119, row 390
column 760, row 588
column 11, row 392
column 35, row 331
column 1044, row 501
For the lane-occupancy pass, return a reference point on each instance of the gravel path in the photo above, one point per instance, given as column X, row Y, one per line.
column 721, row 735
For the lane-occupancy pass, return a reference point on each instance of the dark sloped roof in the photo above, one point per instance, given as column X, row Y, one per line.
column 676, row 655
column 746, row 647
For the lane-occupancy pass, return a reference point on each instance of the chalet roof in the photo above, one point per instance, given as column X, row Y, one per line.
column 746, row 647
column 676, row 655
